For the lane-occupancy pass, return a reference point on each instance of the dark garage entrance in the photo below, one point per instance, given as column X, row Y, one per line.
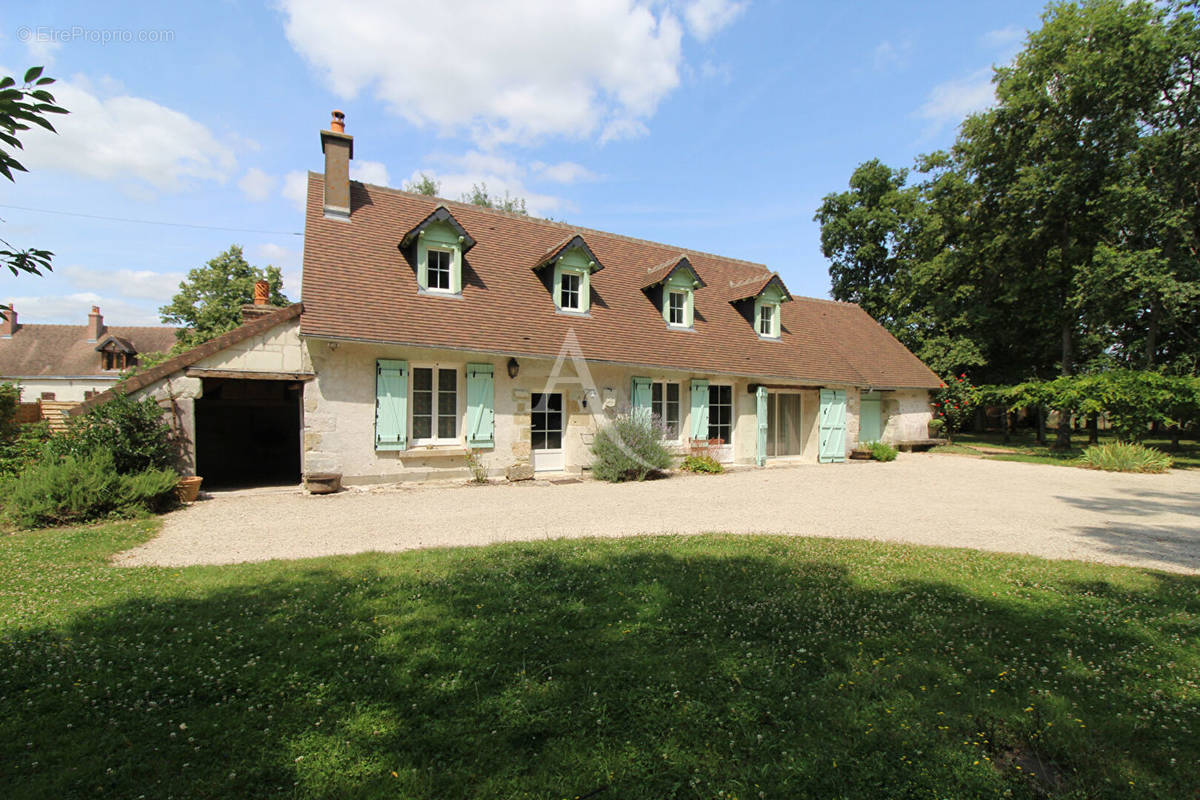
column 248, row 432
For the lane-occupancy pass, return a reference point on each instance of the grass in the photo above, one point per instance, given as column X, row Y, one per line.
column 658, row 667
column 1024, row 447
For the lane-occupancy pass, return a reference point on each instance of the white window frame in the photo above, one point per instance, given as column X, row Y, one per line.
column 661, row 384
column 683, row 299
column 459, row 400
column 578, row 276
column 450, row 257
column 768, row 313
column 732, row 413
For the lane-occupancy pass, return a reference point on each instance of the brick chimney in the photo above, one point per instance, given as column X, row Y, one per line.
column 8, row 326
column 95, row 325
column 338, row 148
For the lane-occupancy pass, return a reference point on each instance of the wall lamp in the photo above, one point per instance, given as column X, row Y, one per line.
column 514, row 368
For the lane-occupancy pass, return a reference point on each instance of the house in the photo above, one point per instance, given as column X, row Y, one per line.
column 430, row 329
column 70, row 363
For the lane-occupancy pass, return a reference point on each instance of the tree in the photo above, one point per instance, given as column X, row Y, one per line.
column 424, row 185
column 480, row 197
column 209, row 301
column 20, row 106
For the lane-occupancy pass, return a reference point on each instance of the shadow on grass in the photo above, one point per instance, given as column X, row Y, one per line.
column 639, row 669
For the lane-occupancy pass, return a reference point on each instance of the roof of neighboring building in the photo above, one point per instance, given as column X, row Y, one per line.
column 47, row 351
column 156, row 373
column 359, row 285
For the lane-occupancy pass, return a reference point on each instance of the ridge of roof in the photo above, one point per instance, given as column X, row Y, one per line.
column 189, row 357
column 553, row 223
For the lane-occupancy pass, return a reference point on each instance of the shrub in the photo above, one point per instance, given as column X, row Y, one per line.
column 954, row 403
column 935, row 426
column 479, row 472
column 881, row 451
column 628, row 449
column 702, row 464
column 132, row 431
column 72, row 489
column 1125, row 457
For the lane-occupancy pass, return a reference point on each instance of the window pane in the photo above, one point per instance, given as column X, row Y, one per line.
column 553, row 440
column 537, row 440
column 673, row 392
column 656, row 393
column 422, row 403
column 447, row 427
column 447, row 379
column 555, row 402
column 569, row 296
column 422, row 378
column 422, row 427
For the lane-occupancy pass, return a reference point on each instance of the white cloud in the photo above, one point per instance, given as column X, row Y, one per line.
column 123, row 138
column 72, row 309
column 889, row 55
column 275, row 255
column 257, row 185
column 562, row 172
column 707, row 17
column 1004, row 38
column 500, row 175
column 42, row 51
column 504, row 72
column 949, row 102
column 720, row 73
column 369, row 172
column 295, row 188
column 141, row 283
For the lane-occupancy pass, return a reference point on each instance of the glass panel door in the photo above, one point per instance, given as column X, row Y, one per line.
column 546, row 432
column 784, row 435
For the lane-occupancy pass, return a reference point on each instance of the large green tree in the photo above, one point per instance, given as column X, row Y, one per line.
column 22, row 104
column 209, row 301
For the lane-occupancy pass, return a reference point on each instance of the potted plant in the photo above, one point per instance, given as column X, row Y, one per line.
column 188, row 488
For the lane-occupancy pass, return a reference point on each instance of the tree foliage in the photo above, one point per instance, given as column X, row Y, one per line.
column 1061, row 233
column 21, row 105
column 209, row 301
column 479, row 196
column 425, row 185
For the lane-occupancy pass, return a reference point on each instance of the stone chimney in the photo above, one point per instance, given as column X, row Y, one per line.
column 8, row 326
column 262, row 303
column 95, row 328
column 338, row 148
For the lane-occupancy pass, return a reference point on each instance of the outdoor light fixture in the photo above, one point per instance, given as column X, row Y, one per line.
column 513, row 368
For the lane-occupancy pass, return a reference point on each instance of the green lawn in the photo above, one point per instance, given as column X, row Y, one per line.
column 706, row 667
column 1024, row 447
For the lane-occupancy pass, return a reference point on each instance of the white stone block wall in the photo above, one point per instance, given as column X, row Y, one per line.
column 906, row 415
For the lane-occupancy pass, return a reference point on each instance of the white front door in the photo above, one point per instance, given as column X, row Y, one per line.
column 546, row 432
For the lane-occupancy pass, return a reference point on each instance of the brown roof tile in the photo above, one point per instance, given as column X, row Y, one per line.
column 60, row 350
column 359, row 285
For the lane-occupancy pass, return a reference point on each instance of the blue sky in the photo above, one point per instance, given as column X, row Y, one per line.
column 709, row 124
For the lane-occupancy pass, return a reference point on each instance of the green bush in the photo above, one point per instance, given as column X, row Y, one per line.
column 1125, row 457
column 881, row 451
column 71, row 489
column 629, row 449
column 702, row 464
column 133, row 431
column 935, row 425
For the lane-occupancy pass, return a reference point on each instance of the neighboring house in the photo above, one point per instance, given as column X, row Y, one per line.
column 70, row 363
column 430, row 328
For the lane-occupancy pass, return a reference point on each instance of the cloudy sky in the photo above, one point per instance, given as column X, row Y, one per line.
column 716, row 125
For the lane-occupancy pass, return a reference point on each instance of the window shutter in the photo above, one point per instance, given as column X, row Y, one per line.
column 456, row 260
column 760, row 455
column 639, row 397
column 481, row 412
column 391, row 405
column 699, row 409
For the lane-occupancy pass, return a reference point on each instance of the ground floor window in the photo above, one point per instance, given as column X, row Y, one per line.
column 434, row 404
column 664, row 404
column 720, row 413
column 546, row 422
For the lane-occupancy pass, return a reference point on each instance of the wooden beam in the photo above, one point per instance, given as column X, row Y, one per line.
column 200, row 372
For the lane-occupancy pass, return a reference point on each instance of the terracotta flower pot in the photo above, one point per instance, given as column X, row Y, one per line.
column 188, row 488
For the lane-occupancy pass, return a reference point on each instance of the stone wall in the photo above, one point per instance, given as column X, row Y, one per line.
column 906, row 415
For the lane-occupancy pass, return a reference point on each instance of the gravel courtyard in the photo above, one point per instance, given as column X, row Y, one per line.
column 1055, row 512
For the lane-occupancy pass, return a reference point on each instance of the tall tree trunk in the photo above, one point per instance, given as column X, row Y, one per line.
column 1093, row 425
column 1151, row 334
column 1041, row 425
column 1063, row 439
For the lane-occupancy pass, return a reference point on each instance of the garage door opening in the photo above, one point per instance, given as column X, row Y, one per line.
column 248, row 432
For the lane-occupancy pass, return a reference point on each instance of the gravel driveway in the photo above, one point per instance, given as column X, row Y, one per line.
column 1056, row 512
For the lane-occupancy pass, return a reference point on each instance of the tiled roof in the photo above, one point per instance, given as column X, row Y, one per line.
column 244, row 331
column 62, row 350
column 359, row 285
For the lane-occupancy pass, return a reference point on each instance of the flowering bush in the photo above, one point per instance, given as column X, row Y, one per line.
column 954, row 403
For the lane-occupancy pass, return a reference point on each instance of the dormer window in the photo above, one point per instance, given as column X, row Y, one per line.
column 760, row 301
column 438, row 244
column 671, row 286
column 566, row 270
column 768, row 319
column 116, row 353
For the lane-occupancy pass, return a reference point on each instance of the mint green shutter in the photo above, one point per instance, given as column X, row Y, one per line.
column 870, row 417
column 760, row 454
column 832, row 425
column 639, row 397
column 699, row 409
column 481, row 413
column 391, row 405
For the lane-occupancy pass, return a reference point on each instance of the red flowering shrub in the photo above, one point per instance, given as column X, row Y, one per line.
column 955, row 402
